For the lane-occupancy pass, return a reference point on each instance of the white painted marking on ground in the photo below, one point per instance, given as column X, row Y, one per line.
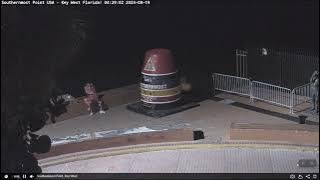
column 101, row 134
column 60, row 142
column 138, row 130
column 69, row 139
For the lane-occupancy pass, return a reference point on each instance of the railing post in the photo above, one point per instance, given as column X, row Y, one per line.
column 291, row 101
column 251, row 91
column 214, row 84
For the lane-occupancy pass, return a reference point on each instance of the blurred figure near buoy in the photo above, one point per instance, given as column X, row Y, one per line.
column 264, row 52
column 186, row 86
column 92, row 100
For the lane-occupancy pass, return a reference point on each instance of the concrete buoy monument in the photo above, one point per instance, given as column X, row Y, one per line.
column 160, row 86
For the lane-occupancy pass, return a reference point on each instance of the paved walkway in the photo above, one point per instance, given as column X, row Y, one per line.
column 214, row 118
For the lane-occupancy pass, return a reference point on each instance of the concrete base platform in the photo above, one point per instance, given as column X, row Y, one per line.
column 138, row 107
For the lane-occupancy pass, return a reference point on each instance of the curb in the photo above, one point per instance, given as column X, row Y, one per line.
column 164, row 147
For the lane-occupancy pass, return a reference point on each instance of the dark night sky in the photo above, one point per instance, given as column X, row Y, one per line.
column 196, row 31
column 201, row 34
column 211, row 23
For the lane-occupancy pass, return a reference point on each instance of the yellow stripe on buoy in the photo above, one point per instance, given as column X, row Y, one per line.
column 161, row 93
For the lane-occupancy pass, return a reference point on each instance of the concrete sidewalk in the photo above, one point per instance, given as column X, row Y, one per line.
column 199, row 160
column 214, row 118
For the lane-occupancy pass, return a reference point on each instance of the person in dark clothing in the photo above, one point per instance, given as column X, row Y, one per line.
column 57, row 105
column 314, row 80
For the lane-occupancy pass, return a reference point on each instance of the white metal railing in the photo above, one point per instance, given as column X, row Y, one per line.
column 272, row 94
column 231, row 84
column 262, row 91
column 301, row 94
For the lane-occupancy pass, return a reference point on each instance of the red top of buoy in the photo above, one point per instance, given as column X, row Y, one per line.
column 158, row 62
